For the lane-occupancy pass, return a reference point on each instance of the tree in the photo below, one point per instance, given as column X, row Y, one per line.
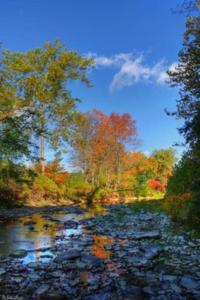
column 36, row 81
column 188, row 7
column 123, row 130
column 165, row 160
column 187, row 77
column 100, row 145
column 14, row 138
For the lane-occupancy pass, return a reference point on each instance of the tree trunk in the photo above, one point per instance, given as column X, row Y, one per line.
column 42, row 159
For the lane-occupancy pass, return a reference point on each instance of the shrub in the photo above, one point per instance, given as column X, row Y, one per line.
column 156, row 185
column 184, row 208
column 102, row 193
column 77, row 186
column 43, row 188
column 12, row 179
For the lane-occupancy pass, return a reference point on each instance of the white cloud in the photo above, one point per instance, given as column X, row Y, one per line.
column 163, row 78
column 132, row 69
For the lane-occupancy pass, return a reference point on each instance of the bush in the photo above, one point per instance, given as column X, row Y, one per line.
column 182, row 199
column 10, row 194
column 12, row 178
column 102, row 193
column 177, row 206
column 77, row 186
column 184, row 177
column 184, row 208
column 42, row 189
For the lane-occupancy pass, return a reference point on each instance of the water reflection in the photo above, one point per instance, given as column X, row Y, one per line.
column 39, row 233
column 35, row 234
column 98, row 248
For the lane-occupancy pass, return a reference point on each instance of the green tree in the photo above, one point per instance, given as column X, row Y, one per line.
column 187, row 77
column 165, row 159
column 36, row 82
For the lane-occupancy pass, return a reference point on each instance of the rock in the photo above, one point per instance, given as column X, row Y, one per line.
column 42, row 290
column 145, row 217
column 92, row 261
column 71, row 224
column 98, row 296
column 189, row 282
column 138, row 262
column 170, row 278
column 19, row 253
column 175, row 288
column 34, row 277
column 2, row 271
column 133, row 293
column 69, row 255
column 146, row 235
column 18, row 279
column 151, row 251
column 29, row 223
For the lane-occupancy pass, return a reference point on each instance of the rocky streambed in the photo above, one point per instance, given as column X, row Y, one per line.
column 96, row 254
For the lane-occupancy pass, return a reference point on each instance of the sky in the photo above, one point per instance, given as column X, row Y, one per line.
column 133, row 43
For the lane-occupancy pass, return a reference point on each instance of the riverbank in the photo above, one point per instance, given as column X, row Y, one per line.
column 113, row 252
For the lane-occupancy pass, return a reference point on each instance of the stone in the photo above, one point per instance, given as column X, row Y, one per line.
column 19, row 253
column 138, row 262
column 42, row 290
column 189, row 283
column 170, row 278
column 92, row 261
column 133, row 293
column 98, row 296
column 69, row 255
column 2, row 271
column 71, row 224
column 175, row 288
column 151, row 251
column 29, row 223
column 146, row 235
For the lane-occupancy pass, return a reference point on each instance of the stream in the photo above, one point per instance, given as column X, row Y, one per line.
column 96, row 253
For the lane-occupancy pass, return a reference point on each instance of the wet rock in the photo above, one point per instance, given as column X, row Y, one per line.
column 29, row 223
column 138, row 262
column 99, row 296
column 34, row 277
column 19, row 253
column 133, row 293
column 151, row 251
column 2, row 271
column 18, row 279
column 170, row 278
column 46, row 226
column 146, row 235
column 71, row 224
column 189, row 283
column 175, row 288
column 69, row 255
column 41, row 291
column 92, row 261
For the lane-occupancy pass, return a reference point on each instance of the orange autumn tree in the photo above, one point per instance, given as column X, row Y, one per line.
column 100, row 146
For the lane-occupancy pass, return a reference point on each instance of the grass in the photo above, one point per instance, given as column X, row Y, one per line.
column 147, row 205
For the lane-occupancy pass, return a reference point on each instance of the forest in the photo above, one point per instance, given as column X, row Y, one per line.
column 86, row 212
column 38, row 112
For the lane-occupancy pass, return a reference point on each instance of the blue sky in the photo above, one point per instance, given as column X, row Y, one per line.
column 134, row 42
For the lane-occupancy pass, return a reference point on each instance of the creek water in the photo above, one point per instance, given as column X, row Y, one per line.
column 39, row 232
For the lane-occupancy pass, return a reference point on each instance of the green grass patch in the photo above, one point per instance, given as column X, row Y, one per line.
column 147, row 205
